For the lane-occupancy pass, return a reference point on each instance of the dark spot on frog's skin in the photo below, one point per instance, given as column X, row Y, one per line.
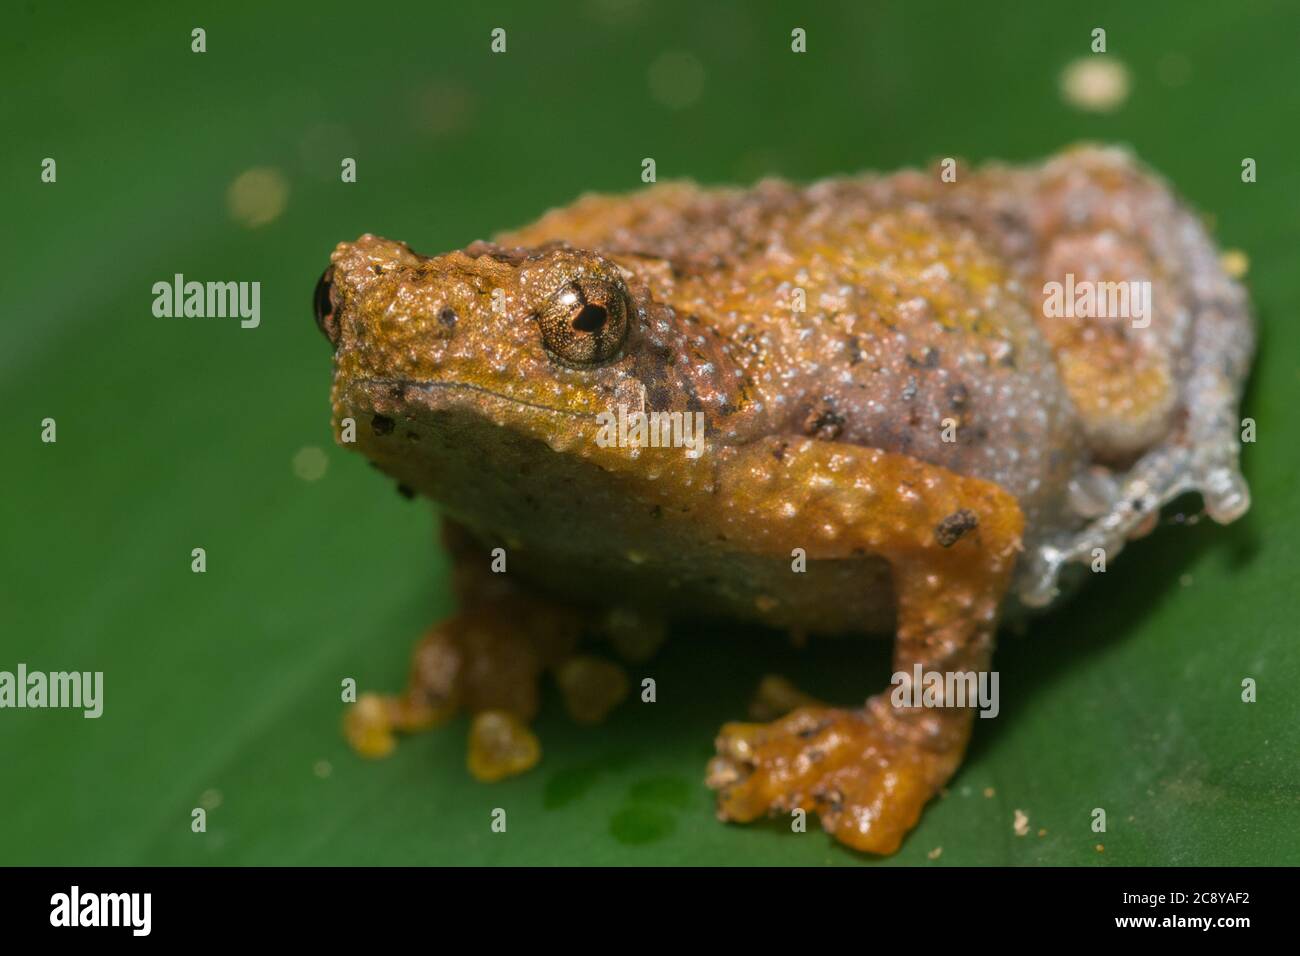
column 406, row 491
column 447, row 316
column 855, row 350
column 656, row 512
column 950, row 530
column 652, row 370
column 382, row 424
column 779, row 451
column 958, row 395
column 412, row 436
column 377, row 270
column 929, row 359
column 832, row 799
column 823, row 421
column 658, row 396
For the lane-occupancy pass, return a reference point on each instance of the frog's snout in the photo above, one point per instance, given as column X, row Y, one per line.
column 323, row 305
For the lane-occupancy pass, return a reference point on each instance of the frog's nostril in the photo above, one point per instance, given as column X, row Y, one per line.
column 324, row 307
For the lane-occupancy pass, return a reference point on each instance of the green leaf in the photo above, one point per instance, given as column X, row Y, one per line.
column 222, row 688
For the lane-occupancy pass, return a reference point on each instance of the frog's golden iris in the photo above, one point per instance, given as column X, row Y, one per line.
column 585, row 322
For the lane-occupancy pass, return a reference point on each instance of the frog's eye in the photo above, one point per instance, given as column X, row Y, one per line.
column 323, row 305
column 585, row 321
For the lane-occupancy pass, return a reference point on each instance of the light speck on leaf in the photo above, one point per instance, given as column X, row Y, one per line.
column 1095, row 84
column 310, row 463
column 257, row 196
column 1021, row 824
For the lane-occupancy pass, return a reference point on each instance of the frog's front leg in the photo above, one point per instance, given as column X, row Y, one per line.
column 488, row 659
column 951, row 542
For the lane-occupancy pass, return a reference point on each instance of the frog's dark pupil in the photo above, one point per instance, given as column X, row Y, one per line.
column 591, row 319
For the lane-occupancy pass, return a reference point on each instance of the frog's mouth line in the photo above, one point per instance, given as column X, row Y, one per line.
column 479, row 389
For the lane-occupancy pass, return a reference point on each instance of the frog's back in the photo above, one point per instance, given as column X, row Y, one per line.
column 861, row 313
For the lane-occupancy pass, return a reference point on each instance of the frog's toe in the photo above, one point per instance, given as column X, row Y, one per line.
column 500, row 745
column 1128, row 506
column 370, row 725
column 866, row 778
column 776, row 696
column 591, row 687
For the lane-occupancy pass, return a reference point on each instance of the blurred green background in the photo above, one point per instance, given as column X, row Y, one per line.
column 222, row 689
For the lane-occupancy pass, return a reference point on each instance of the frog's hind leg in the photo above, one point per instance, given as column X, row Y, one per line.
column 1200, row 450
column 952, row 544
column 488, row 659
column 1162, row 391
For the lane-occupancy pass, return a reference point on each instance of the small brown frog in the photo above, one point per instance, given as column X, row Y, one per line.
column 925, row 405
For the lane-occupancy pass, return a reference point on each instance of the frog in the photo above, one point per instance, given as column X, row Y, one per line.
column 900, row 437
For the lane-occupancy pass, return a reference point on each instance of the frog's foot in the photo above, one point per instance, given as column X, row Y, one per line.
column 866, row 773
column 487, row 660
column 1127, row 506
column 952, row 543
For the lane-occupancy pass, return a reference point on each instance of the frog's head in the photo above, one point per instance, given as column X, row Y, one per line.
column 541, row 342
